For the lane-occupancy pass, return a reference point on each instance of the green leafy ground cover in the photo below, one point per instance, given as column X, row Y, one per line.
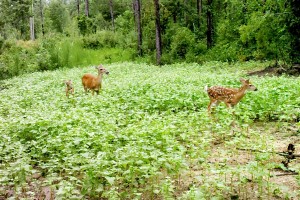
column 147, row 135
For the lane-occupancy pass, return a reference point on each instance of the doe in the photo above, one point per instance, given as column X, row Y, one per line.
column 94, row 83
column 69, row 88
column 230, row 96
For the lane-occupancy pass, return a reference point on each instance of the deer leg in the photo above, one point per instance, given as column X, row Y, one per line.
column 209, row 106
column 67, row 93
column 216, row 103
column 213, row 103
column 228, row 105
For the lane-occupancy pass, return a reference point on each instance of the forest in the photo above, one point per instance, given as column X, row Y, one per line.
column 46, row 35
column 194, row 99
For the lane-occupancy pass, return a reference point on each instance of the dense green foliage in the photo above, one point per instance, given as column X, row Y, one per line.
column 148, row 126
column 55, row 52
column 242, row 30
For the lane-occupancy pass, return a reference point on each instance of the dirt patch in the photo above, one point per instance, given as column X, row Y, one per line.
column 233, row 169
column 277, row 70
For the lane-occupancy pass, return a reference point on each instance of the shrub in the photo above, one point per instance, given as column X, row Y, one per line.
column 48, row 46
column 100, row 39
column 55, row 51
column 222, row 52
column 182, row 42
column 17, row 58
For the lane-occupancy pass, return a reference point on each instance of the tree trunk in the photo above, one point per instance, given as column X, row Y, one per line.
column 78, row 7
column 137, row 13
column 32, row 28
column 87, row 8
column 31, row 23
column 112, row 15
column 199, row 12
column 245, row 11
column 158, row 32
column 42, row 17
column 209, row 33
column 294, row 29
column 185, row 13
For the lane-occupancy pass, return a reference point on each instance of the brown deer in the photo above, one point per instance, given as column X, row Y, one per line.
column 69, row 88
column 92, row 82
column 230, row 96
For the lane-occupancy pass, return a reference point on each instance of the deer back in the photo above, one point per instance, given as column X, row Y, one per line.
column 91, row 81
column 221, row 93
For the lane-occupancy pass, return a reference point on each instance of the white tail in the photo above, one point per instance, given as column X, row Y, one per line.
column 206, row 88
column 92, row 82
column 69, row 88
column 230, row 96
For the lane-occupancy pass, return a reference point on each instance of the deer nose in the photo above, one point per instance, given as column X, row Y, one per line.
column 255, row 89
column 107, row 73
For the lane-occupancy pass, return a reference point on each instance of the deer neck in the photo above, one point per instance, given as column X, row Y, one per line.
column 240, row 93
column 99, row 78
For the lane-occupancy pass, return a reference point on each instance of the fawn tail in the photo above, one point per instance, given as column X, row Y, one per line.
column 205, row 88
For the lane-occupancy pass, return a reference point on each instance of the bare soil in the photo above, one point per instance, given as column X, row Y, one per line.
column 235, row 159
column 277, row 70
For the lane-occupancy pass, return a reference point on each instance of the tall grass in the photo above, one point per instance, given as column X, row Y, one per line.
column 53, row 52
column 71, row 53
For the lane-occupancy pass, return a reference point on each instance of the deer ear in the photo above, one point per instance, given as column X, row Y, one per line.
column 242, row 80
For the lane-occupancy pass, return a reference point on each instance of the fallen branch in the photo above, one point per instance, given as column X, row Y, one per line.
column 287, row 174
column 289, row 154
column 260, row 151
